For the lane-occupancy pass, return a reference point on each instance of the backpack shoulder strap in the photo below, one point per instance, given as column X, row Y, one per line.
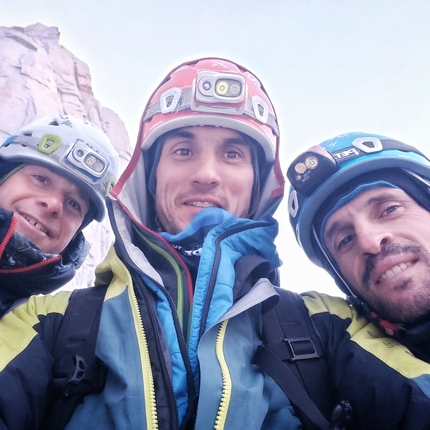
column 77, row 370
column 293, row 356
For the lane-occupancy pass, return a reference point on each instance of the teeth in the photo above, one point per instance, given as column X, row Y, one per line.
column 36, row 224
column 202, row 204
column 398, row 268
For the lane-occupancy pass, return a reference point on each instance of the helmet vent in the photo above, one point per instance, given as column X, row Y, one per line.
column 54, row 123
column 368, row 144
column 260, row 109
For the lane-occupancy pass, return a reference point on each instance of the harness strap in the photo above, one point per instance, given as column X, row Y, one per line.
column 294, row 357
column 290, row 385
column 77, row 370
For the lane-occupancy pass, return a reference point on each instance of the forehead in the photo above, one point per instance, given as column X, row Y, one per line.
column 368, row 195
column 207, row 132
column 360, row 201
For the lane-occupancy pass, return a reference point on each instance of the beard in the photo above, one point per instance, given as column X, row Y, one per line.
column 406, row 301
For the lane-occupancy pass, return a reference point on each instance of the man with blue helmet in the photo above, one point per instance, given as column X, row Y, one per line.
column 360, row 208
column 54, row 176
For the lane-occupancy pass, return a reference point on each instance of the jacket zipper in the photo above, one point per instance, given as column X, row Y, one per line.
column 127, row 261
column 225, row 399
column 13, row 223
column 176, row 317
column 226, row 379
column 149, row 388
column 9, row 234
column 215, row 268
column 226, row 383
column 32, row 266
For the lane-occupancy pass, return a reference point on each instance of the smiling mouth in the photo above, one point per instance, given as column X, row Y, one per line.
column 395, row 270
column 34, row 223
column 202, row 204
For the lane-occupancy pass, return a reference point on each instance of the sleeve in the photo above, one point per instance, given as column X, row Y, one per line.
column 386, row 385
column 27, row 335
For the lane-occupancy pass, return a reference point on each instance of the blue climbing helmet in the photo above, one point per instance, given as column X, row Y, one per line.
column 325, row 173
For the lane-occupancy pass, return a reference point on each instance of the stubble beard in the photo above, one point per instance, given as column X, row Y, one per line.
column 403, row 303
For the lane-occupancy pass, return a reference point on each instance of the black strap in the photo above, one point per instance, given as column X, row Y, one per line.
column 290, row 385
column 77, row 370
column 293, row 356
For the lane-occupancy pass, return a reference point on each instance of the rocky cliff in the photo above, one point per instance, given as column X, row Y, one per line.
column 39, row 77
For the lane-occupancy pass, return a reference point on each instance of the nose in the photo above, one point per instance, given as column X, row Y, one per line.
column 51, row 203
column 206, row 171
column 372, row 239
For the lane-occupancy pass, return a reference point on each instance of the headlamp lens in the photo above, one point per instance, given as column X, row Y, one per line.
column 236, row 88
column 228, row 88
column 94, row 163
column 221, row 88
column 216, row 87
column 309, row 170
column 206, row 86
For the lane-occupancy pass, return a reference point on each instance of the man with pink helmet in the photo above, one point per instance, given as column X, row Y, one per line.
column 190, row 274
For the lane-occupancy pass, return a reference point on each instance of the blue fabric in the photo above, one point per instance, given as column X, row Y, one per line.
column 206, row 228
column 117, row 404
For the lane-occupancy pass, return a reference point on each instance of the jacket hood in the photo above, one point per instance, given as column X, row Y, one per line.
column 182, row 86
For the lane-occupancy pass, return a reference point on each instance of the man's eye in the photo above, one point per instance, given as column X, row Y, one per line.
column 183, row 151
column 232, row 154
column 41, row 178
column 344, row 242
column 390, row 209
column 75, row 205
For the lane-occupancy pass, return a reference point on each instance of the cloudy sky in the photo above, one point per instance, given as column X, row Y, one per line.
column 330, row 66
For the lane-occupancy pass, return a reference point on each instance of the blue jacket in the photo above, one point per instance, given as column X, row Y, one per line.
column 26, row 270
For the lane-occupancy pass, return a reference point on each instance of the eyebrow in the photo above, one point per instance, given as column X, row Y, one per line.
column 237, row 141
column 335, row 226
column 383, row 196
column 181, row 133
column 186, row 134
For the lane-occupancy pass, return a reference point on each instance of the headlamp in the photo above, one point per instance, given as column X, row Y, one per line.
column 219, row 87
column 88, row 161
column 310, row 169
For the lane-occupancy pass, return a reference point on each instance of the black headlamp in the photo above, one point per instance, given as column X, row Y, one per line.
column 311, row 169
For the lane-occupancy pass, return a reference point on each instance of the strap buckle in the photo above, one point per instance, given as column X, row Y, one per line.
column 79, row 370
column 302, row 348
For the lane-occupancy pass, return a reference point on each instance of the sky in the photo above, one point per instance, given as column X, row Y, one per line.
column 329, row 66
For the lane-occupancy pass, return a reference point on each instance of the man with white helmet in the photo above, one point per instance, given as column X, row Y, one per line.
column 55, row 174
column 190, row 271
column 360, row 208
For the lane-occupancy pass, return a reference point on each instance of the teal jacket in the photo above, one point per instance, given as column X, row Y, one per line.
column 180, row 360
